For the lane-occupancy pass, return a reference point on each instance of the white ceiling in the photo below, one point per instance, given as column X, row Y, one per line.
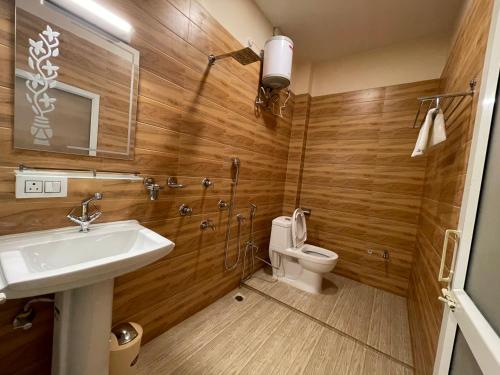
column 327, row 29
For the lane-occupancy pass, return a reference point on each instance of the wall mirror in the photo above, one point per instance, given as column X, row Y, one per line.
column 75, row 85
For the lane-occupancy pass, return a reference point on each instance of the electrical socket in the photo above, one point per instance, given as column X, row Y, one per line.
column 33, row 186
column 40, row 186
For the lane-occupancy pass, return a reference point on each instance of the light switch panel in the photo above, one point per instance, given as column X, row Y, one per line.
column 39, row 186
column 52, row 187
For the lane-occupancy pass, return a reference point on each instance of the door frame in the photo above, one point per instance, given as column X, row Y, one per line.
column 479, row 335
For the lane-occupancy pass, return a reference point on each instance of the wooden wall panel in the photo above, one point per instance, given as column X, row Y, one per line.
column 358, row 178
column 191, row 120
column 443, row 185
column 295, row 165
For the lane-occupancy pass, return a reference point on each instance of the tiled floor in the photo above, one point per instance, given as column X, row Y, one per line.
column 260, row 336
column 370, row 315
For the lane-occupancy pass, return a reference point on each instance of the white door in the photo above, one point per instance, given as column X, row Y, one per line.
column 469, row 342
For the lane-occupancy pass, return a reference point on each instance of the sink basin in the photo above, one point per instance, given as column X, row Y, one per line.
column 55, row 260
column 80, row 269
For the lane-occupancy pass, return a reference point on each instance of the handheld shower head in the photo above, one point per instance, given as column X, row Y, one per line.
column 235, row 172
column 253, row 209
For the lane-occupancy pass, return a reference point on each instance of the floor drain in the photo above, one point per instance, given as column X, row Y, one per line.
column 239, row 297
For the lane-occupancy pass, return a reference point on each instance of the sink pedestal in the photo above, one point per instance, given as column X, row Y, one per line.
column 65, row 261
column 82, row 324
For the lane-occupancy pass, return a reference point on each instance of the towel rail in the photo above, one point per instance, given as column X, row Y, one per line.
column 433, row 98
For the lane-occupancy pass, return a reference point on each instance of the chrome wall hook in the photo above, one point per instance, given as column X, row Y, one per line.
column 172, row 183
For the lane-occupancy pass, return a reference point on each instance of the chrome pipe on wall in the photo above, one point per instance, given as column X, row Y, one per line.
column 235, row 173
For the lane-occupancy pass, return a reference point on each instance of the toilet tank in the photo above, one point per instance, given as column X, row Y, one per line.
column 281, row 233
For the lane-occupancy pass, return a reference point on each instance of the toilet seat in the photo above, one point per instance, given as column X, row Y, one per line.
column 314, row 253
column 317, row 254
column 299, row 228
column 310, row 253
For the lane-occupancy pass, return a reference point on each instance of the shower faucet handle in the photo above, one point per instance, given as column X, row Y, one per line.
column 206, row 183
column 207, row 223
column 222, row 204
column 185, row 210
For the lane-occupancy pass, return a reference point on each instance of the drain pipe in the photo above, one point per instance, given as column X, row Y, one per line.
column 24, row 319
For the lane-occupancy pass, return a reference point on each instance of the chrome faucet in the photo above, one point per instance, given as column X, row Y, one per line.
column 85, row 219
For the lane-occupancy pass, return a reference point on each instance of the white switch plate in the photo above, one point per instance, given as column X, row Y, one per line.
column 33, row 186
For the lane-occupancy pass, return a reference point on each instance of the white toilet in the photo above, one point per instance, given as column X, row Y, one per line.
column 295, row 262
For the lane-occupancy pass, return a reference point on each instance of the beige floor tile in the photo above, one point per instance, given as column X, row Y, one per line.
column 168, row 351
column 376, row 317
column 376, row 364
column 260, row 336
column 286, row 351
column 239, row 340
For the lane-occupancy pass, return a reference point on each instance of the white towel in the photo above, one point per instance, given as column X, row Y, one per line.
column 438, row 133
column 423, row 136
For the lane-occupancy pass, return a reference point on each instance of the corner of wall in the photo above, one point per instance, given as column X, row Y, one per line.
column 296, row 154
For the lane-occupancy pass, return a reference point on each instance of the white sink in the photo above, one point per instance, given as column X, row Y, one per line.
column 79, row 268
column 55, row 260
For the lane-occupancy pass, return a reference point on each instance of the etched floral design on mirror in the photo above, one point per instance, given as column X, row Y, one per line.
column 75, row 85
column 40, row 81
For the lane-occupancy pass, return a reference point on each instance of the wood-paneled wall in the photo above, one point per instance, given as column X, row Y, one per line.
column 191, row 120
column 358, row 178
column 295, row 165
column 444, row 182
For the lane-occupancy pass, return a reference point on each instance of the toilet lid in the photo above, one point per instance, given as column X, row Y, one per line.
column 299, row 229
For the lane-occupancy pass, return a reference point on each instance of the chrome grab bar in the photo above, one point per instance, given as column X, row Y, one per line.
column 448, row 278
column 447, row 295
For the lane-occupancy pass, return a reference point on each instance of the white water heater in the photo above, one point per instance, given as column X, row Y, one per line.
column 277, row 69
